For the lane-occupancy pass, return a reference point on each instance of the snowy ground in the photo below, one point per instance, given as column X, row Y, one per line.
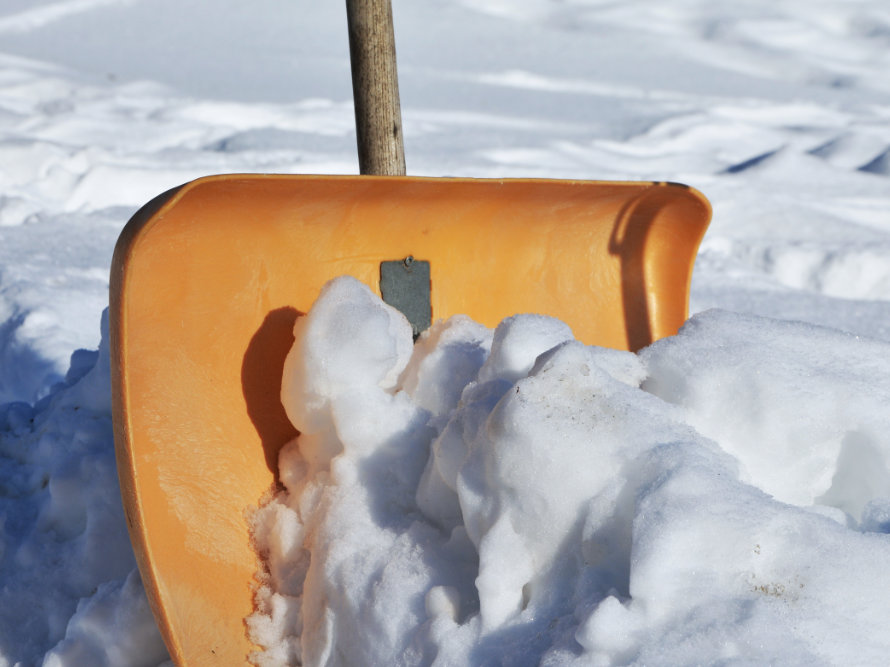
column 779, row 111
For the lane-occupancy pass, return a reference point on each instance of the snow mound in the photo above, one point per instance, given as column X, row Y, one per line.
column 722, row 495
column 65, row 555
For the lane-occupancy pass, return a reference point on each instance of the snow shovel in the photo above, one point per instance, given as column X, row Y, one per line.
column 209, row 278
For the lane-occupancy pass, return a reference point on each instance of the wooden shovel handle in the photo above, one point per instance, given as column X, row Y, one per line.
column 375, row 87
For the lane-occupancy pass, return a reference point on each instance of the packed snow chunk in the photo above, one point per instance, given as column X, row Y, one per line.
column 349, row 350
column 514, row 347
column 348, row 565
column 722, row 572
column 546, row 483
column 518, row 341
column 448, row 357
column 801, row 407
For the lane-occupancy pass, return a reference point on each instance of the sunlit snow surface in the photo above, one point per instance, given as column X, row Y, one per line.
column 730, row 500
column 522, row 498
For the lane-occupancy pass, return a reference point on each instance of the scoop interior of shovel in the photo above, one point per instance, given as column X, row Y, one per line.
column 209, row 279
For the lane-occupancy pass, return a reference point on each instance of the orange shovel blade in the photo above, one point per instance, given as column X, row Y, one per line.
column 208, row 280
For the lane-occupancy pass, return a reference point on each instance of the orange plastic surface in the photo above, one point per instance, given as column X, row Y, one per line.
column 208, row 280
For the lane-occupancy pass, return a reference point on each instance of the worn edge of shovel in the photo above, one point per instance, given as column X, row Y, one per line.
column 185, row 630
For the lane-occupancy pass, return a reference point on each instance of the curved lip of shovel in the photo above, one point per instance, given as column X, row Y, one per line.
column 207, row 282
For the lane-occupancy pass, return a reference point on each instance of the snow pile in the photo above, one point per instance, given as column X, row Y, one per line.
column 68, row 579
column 521, row 498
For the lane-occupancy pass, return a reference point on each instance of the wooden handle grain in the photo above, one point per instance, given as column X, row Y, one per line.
column 375, row 87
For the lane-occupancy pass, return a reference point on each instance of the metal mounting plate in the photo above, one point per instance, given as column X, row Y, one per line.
column 405, row 285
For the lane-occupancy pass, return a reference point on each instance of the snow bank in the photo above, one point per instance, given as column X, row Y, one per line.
column 69, row 590
column 522, row 498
